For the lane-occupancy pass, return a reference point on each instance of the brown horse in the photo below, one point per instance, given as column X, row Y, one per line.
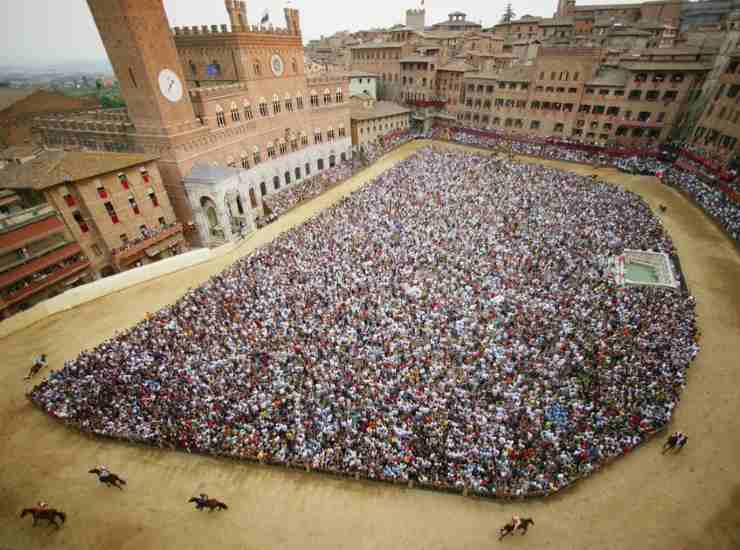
column 49, row 514
column 509, row 528
column 210, row 503
column 111, row 480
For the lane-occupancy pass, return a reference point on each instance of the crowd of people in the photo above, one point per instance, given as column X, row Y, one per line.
column 454, row 323
column 716, row 203
column 646, row 166
column 283, row 201
column 703, row 190
column 289, row 197
column 146, row 234
column 38, row 277
column 392, row 140
column 534, row 148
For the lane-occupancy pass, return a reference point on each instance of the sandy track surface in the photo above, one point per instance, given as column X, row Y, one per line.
column 643, row 501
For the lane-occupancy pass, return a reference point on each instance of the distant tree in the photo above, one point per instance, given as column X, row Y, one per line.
column 508, row 15
column 112, row 102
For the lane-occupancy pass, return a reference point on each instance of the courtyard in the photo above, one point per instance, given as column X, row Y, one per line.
column 645, row 500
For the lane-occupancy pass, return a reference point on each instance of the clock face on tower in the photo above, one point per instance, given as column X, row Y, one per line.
column 170, row 85
column 276, row 63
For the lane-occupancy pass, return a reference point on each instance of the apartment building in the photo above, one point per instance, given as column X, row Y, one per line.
column 39, row 256
column 113, row 206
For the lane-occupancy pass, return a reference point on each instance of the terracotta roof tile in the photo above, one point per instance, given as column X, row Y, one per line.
column 53, row 167
column 381, row 109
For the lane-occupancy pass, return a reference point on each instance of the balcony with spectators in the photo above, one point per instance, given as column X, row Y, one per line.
column 151, row 243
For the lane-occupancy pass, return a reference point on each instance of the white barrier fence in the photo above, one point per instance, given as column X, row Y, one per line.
column 80, row 295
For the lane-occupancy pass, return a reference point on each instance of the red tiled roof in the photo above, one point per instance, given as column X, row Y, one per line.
column 13, row 275
column 13, row 240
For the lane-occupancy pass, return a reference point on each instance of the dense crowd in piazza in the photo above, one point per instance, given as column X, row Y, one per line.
column 713, row 200
column 283, row 201
column 453, row 323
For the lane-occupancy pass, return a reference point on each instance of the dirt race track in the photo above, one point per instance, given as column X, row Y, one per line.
column 643, row 501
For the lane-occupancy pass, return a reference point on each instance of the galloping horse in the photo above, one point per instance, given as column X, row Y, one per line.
column 49, row 514
column 510, row 528
column 210, row 503
column 38, row 364
column 675, row 442
column 110, row 479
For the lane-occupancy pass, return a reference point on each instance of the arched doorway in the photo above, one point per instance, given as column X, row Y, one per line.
column 332, row 161
column 211, row 214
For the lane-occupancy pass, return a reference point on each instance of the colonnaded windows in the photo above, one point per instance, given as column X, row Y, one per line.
column 220, row 117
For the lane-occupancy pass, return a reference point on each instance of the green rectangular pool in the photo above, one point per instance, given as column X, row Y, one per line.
column 640, row 273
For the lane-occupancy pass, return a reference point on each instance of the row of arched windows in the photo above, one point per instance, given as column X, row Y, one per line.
column 281, row 146
column 237, row 113
column 294, row 175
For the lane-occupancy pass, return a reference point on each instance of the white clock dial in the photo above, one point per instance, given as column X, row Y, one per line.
column 170, row 85
column 276, row 63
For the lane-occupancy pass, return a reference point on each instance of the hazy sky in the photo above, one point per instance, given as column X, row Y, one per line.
column 63, row 30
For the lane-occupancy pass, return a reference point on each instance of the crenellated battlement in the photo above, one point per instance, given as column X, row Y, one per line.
column 326, row 80
column 416, row 12
column 215, row 30
column 218, row 91
column 123, row 126
column 292, row 19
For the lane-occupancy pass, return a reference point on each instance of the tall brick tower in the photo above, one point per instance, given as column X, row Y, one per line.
column 139, row 43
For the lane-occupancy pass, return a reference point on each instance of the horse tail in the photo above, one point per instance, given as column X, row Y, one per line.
column 26, row 511
column 62, row 516
column 222, row 505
